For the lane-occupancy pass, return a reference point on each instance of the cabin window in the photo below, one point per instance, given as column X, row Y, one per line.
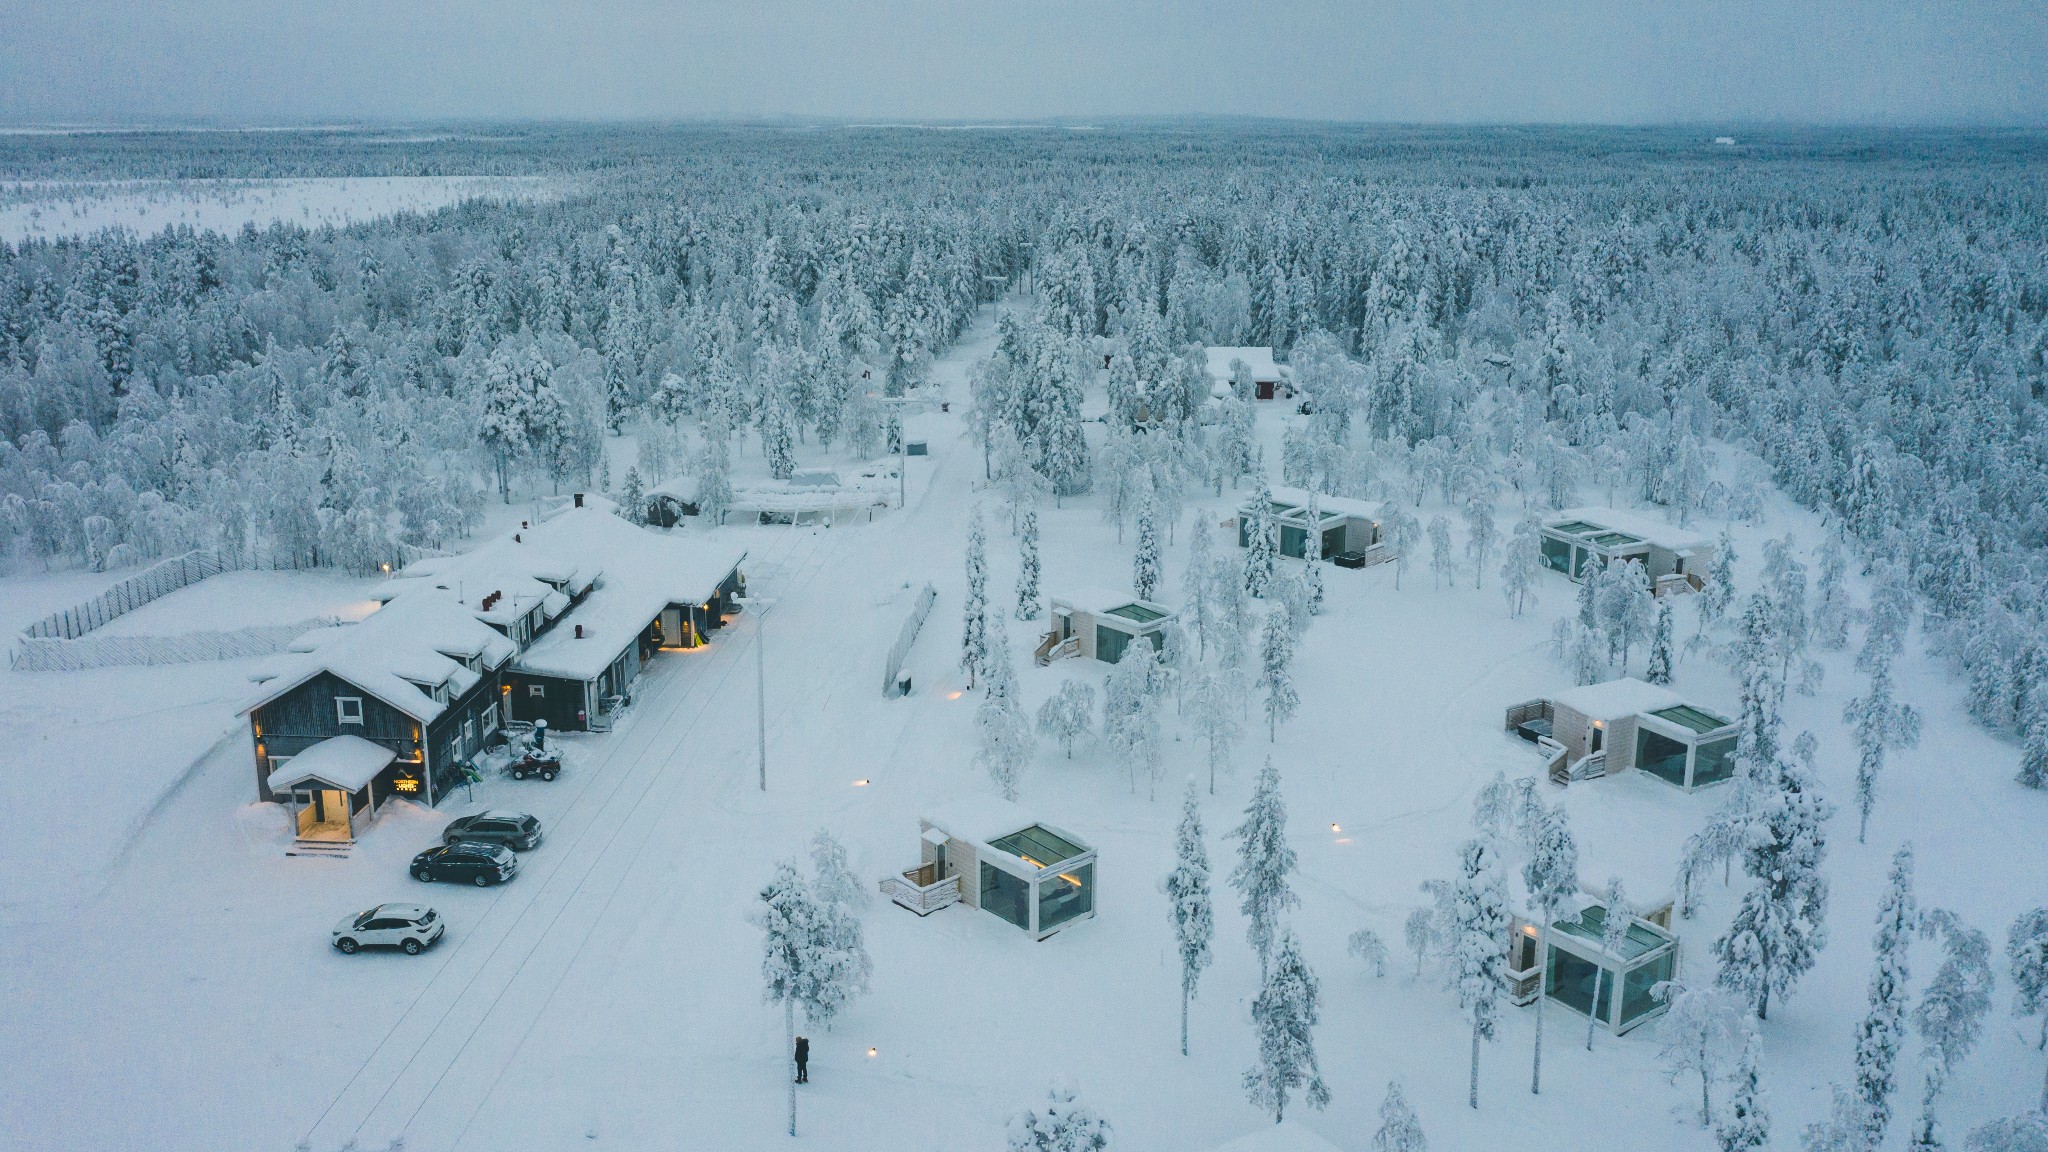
column 490, row 723
column 536, row 690
column 348, row 709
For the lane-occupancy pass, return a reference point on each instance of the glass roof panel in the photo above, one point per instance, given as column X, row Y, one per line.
column 1575, row 528
column 1137, row 612
column 1038, row 847
column 1697, row 719
column 1615, row 540
column 1591, row 926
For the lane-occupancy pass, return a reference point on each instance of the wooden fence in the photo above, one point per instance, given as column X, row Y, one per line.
column 159, row 579
column 923, row 608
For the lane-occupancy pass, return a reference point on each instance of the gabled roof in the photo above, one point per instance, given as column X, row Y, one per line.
column 347, row 762
column 398, row 654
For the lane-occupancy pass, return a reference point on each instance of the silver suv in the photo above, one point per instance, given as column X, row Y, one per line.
column 414, row 928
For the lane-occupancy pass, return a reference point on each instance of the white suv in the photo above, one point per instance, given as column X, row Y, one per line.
column 412, row 927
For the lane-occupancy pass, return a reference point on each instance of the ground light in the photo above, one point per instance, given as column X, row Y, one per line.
column 1334, row 828
column 955, row 694
column 871, row 1053
column 861, row 783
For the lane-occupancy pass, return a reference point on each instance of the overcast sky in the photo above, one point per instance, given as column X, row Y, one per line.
column 241, row 61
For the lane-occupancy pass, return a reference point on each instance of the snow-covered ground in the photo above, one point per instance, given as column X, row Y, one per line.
column 610, row 996
column 32, row 210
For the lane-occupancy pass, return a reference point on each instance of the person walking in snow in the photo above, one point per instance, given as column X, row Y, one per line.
column 803, row 1060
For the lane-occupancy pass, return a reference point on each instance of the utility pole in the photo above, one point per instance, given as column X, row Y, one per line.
column 761, row 688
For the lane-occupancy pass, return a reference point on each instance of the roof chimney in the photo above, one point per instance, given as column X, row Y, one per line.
column 579, row 631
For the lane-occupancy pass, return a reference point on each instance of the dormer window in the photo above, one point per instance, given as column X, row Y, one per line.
column 348, row 709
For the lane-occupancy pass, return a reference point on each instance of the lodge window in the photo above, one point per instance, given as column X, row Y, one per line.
column 490, row 724
column 348, row 709
column 536, row 689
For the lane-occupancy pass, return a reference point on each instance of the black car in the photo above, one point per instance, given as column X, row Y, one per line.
column 515, row 830
column 480, row 864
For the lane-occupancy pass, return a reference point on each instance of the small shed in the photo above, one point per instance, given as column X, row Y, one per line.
column 1344, row 525
column 1676, row 560
column 1581, row 973
column 1100, row 624
column 1620, row 724
column 1269, row 380
column 328, row 786
column 993, row 855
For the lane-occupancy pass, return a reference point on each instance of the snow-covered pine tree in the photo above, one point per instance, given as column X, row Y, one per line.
column 1194, row 915
column 1784, row 581
column 1613, row 935
column 812, row 957
column 1130, row 715
column 1066, row 1125
column 714, row 477
column 1310, row 594
column 1066, row 714
column 1551, row 875
column 1781, row 925
column 1879, row 724
column 1761, row 693
column 974, row 622
column 2034, row 753
column 1831, row 597
column 1865, row 1112
column 1196, row 584
column 1624, row 604
column 1399, row 1131
column 1261, row 543
column 1366, row 945
column 1719, row 594
column 1005, row 736
column 1027, row 567
column 1285, row 1014
column 1747, row 1125
column 1659, row 670
column 1145, row 565
column 2026, row 954
column 833, row 880
column 2028, row 1133
column 1265, row 861
column 777, row 425
column 1950, row 1016
column 1476, row 928
column 1699, row 1028
column 633, row 498
column 1481, row 535
column 1440, row 570
column 1522, row 565
column 1276, row 671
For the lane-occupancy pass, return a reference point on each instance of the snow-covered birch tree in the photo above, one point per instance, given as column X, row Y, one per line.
column 1476, row 927
column 974, row 614
column 1880, row 725
column 1551, row 875
column 1276, row 671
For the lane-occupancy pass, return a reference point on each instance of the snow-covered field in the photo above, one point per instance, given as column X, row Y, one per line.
column 610, row 997
column 48, row 211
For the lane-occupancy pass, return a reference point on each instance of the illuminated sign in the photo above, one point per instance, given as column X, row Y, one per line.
column 406, row 784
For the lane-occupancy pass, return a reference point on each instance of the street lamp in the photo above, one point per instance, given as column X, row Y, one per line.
column 761, row 685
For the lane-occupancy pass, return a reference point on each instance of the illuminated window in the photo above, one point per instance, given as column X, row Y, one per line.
column 348, row 709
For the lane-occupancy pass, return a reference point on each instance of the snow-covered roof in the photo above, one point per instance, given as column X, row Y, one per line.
column 1617, row 698
column 1338, row 505
column 1104, row 601
column 1259, row 360
column 1665, row 536
column 1290, row 1136
column 644, row 572
column 347, row 762
column 399, row 654
column 871, row 485
column 980, row 819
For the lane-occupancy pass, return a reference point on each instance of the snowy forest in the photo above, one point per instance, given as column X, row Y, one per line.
column 1562, row 314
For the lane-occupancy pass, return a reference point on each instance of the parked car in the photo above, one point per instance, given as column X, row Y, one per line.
column 515, row 830
column 472, row 860
column 412, row 928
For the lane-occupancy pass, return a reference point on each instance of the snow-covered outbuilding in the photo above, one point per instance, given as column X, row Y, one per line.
column 1601, row 729
column 991, row 854
column 1675, row 559
column 1099, row 624
column 1583, row 973
column 1268, row 380
column 1347, row 528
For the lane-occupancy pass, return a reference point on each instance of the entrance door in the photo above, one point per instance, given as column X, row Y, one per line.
column 326, row 817
column 672, row 634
